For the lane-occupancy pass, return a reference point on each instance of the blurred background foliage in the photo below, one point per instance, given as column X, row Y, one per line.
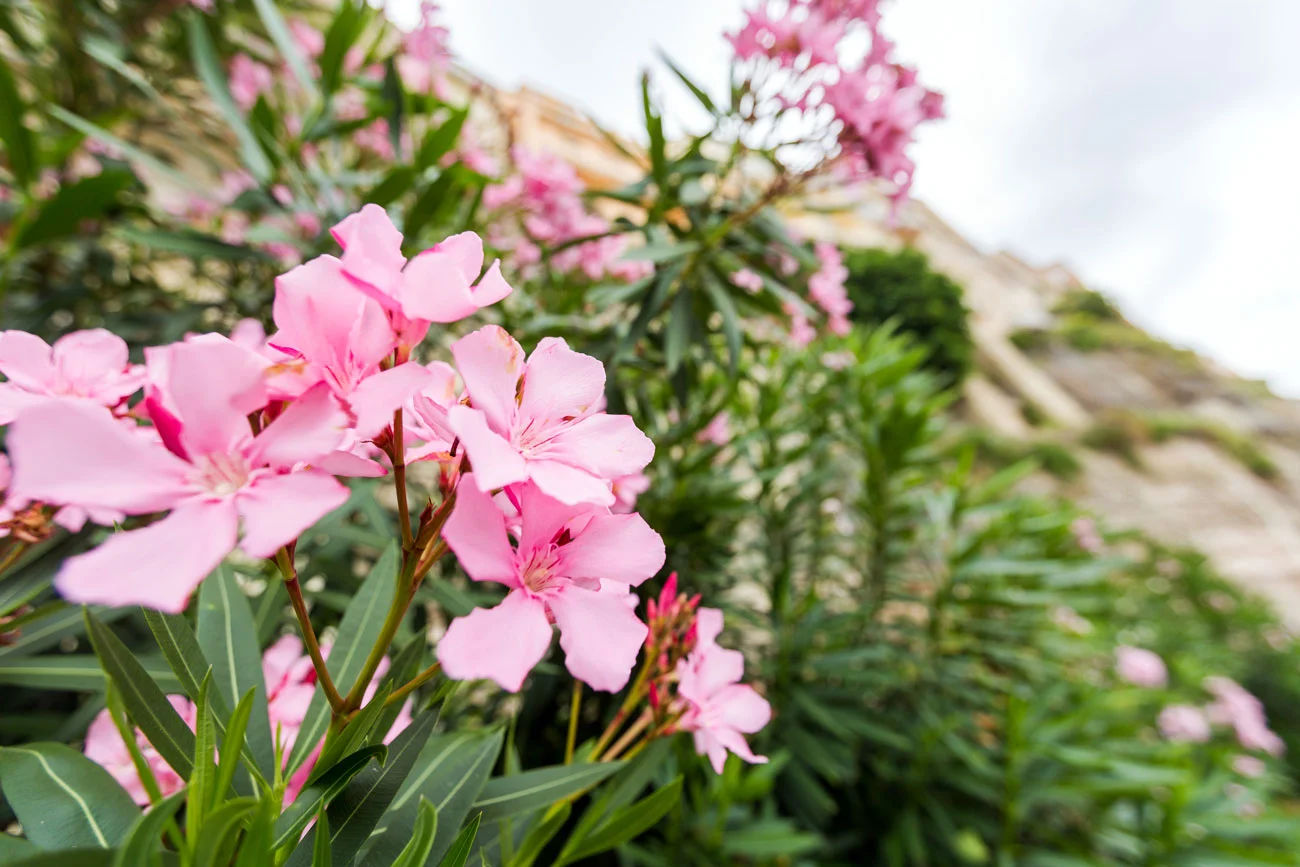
column 938, row 645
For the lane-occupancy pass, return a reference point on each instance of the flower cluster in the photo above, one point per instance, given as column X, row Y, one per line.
column 826, row 289
column 1141, row 667
column 237, row 441
column 290, row 683
column 1234, row 707
column 543, row 195
column 694, row 683
column 806, row 58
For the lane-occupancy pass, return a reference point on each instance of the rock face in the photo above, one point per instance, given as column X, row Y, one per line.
column 1186, row 491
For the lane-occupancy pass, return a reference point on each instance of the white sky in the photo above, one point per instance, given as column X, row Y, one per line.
column 1150, row 144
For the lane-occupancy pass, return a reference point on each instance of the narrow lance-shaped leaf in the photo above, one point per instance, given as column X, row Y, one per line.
column 624, row 825
column 309, row 801
column 522, row 793
column 284, row 41
column 227, row 636
column 14, row 134
column 417, row 850
column 63, row 799
column 463, row 845
column 214, row 78
column 145, row 702
column 143, row 846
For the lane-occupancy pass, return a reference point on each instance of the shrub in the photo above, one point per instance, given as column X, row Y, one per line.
column 1090, row 303
column 1244, row 448
column 902, row 287
column 1118, row 433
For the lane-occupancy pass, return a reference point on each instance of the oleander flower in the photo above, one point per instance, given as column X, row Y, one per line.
column 539, row 419
column 87, row 365
column 1140, row 667
column 720, row 710
column 206, row 468
column 571, row 566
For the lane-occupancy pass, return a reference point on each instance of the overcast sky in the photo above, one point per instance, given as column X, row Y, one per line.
column 1152, row 145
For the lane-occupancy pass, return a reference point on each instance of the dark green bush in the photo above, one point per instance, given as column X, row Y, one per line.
column 926, row 304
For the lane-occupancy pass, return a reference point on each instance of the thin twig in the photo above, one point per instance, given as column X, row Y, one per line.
column 399, row 480
column 290, row 573
column 415, row 683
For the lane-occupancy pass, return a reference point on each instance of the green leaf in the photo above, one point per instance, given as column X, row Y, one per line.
column 87, row 199
column 195, row 245
column 458, row 854
column 503, row 797
column 354, row 814
column 348, row 24
column 654, row 127
column 145, row 702
column 12, row 848
column 279, row 32
column 398, row 181
column 216, row 842
column 622, row 789
column 322, row 854
column 405, row 665
column 677, row 332
column 49, row 631
column 63, row 799
column 257, row 848
column 109, row 54
column 355, row 734
column 436, row 199
column 625, row 825
column 74, row 673
column 204, row 774
column 14, row 134
column 395, row 96
column 128, row 150
column 540, row 835
column 67, row 858
column 227, row 636
column 722, row 302
column 189, row 666
column 358, row 631
column 234, row 733
column 449, row 773
column 441, row 139
column 142, row 847
column 309, row 801
column 663, row 252
column 214, row 77
column 704, row 98
column 426, row 826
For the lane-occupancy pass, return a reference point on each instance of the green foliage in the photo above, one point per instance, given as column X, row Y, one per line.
column 1090, row 303
column 901, row 287
column 1055, row 458
column 1242, row 447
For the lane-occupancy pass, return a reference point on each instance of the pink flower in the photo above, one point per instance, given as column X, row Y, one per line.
column 720, row 709
column 6, row 507
column 206, row 466
column 748, row 280
column 88, row 365
column 1183, row 723
column 1235, row 706
column 718, row 430
column 437, row 285
column 1249, row 766
column 105, row 747
column 626, row 489
column 538, row 419
column 1140, row 667
column 1086, row 535
column 425, row 56
column 826, row 287
column 249, row 80
column 572, row 566
column 340, row 337
column 310, row 41
column 375, row 138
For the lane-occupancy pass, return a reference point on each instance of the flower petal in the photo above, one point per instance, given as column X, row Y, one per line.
column 490, row 362
column 569, row 484
column 435, row 289
column 496, row 463
column 542, row 517
column 501, row 644
column 372, row 252
column 466, row 251
column 560, row 383
column 311, row 428
column 345, row 463
column 742, row 708
column 492, row 288
column 608, row 446
column 377, row 397
column 14, row 400
column 618, row 547
column 600, row 635
column 26, row 360
column 71, row 453
column 84, row 356
column 158, row 566
column 214, row 385
column 277, row 509
column 476, row 534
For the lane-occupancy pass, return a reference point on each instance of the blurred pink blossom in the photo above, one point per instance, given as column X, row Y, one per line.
column 1183, row 723
column 1140, row 667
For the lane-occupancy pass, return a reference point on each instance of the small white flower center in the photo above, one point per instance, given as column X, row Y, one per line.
column 539, row 571
column 222, row 475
